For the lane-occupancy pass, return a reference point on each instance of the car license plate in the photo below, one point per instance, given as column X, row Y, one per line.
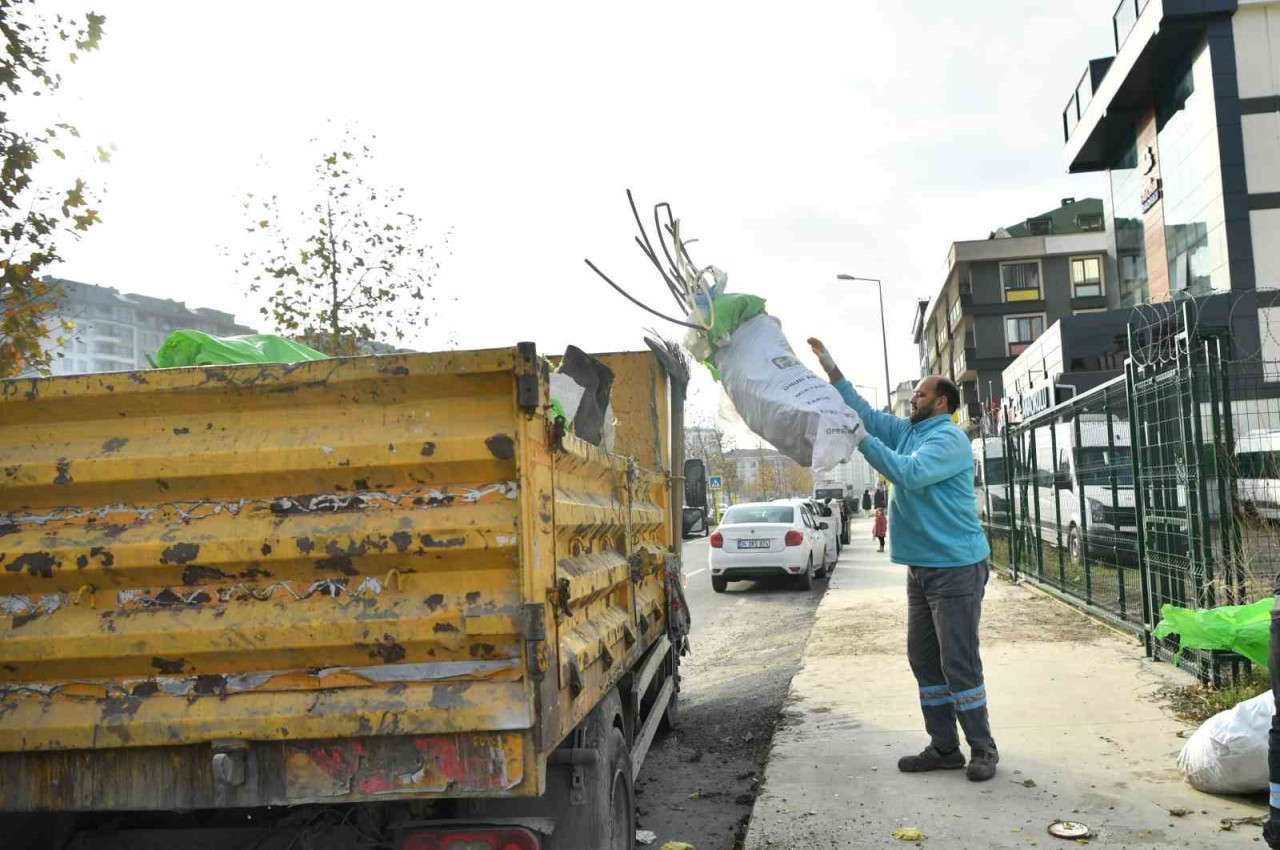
column 753, row 544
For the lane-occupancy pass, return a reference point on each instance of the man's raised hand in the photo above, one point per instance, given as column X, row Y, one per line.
column 824, row 356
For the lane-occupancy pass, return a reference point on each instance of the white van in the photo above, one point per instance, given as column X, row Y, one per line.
column 1257, row 459
column 1112, row 525
column 990, row 481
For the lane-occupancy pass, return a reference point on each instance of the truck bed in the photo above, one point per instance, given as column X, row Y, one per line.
column 354, row 579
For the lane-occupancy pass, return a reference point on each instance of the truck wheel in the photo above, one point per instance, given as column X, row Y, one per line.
column 719, row 584
column 1074, row 549
column 605, row 816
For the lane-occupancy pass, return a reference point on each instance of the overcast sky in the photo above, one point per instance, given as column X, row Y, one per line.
column 796, row 141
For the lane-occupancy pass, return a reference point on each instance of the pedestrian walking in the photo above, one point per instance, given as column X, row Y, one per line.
column 880, row 528
column 866, row 500
column 937, row 537
column 880, row 499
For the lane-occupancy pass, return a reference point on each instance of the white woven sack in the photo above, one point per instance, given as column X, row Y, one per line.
column 797, row 412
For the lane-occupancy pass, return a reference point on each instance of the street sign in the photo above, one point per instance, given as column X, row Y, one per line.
column 716, row 482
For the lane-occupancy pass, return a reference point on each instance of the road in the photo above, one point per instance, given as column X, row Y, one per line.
column 697, row 784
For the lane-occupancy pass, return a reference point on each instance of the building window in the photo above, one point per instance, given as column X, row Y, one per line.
column 956, row 314
column 1127, row 179
column 1040, row 226
column 1021, row 281
column 1021, row 331
column 1086, row 277
column 1089, row 223
column 1194, row 212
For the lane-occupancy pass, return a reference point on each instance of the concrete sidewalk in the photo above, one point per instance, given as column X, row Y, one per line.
column 1074, row 708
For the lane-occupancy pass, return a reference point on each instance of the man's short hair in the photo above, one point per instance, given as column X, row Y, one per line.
column 947, row 389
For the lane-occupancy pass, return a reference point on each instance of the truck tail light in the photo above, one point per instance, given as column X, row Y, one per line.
column 717, row 541
column 470, row 839
column 794, row 538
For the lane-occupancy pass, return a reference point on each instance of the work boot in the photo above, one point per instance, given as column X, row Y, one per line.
column 1271, row 830
column 931, row 759
column 982, row 765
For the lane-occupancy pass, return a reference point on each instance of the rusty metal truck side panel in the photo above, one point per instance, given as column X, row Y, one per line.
column 355, row 579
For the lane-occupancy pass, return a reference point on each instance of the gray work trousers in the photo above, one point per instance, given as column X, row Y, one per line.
column 944, row 605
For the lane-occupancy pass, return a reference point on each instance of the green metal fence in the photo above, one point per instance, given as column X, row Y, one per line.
column 1160, row 487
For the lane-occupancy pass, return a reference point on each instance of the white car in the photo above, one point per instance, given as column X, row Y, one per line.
column 766, row 539
column 830, row 517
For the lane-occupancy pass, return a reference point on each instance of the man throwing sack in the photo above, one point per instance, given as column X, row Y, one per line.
column 935, row 533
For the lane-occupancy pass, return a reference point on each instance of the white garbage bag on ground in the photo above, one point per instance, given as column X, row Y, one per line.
column 1228, row 753
column 799, row 413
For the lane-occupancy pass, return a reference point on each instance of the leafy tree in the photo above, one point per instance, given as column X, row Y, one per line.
column 707, row 440
column 35, row 215
column 347, row 270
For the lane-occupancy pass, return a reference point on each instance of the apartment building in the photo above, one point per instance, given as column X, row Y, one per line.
column 1000, row 293
column 1185, row 121
column 116, row 331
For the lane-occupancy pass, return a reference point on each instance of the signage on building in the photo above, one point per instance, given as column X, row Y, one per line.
column 1036, row 402
column 1150, row 186
column 1150, row 193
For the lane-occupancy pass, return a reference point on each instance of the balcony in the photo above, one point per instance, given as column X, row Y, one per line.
column 1082, row 95
column 1125, row 19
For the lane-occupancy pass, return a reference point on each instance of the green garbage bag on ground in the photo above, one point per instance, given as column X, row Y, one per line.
column 194, row 348
column 1243, row 629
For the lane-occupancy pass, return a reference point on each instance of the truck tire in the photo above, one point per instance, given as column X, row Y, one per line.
column 605, row 817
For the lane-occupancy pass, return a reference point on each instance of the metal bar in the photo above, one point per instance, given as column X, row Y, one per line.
column 1188, row 410
column 1035, row 493
column 1236, row 536
column 1057, row 500
column 1115, row 501
column 1009, row 467
column 645, row 738
column 1221, row 469
column 1202, row 494
column 1084, row 514
column 1136, row 445
column 652, row 665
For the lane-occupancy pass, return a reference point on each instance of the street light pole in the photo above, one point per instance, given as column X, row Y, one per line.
column 884, row 340
column 875, row 393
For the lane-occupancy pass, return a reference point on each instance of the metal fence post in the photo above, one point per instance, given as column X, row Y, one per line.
column 1235, row 539
column 1115, row 501
column 1010, row 464
column 1035, row 496
column 1057, row 500
column 1137, row 440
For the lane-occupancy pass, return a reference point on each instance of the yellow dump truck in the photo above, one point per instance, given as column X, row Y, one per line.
column 389, row 587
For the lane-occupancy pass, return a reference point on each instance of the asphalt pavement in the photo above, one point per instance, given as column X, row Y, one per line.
column 698, row 784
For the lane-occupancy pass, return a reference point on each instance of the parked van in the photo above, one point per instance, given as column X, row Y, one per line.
column 1258, row 468
column 1084, row 465
column 990, row 481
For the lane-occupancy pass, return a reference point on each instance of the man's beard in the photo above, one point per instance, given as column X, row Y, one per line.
column 919, row 415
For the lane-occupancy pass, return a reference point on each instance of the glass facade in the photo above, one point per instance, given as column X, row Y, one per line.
column 1191, row 177
column 1131, row 246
